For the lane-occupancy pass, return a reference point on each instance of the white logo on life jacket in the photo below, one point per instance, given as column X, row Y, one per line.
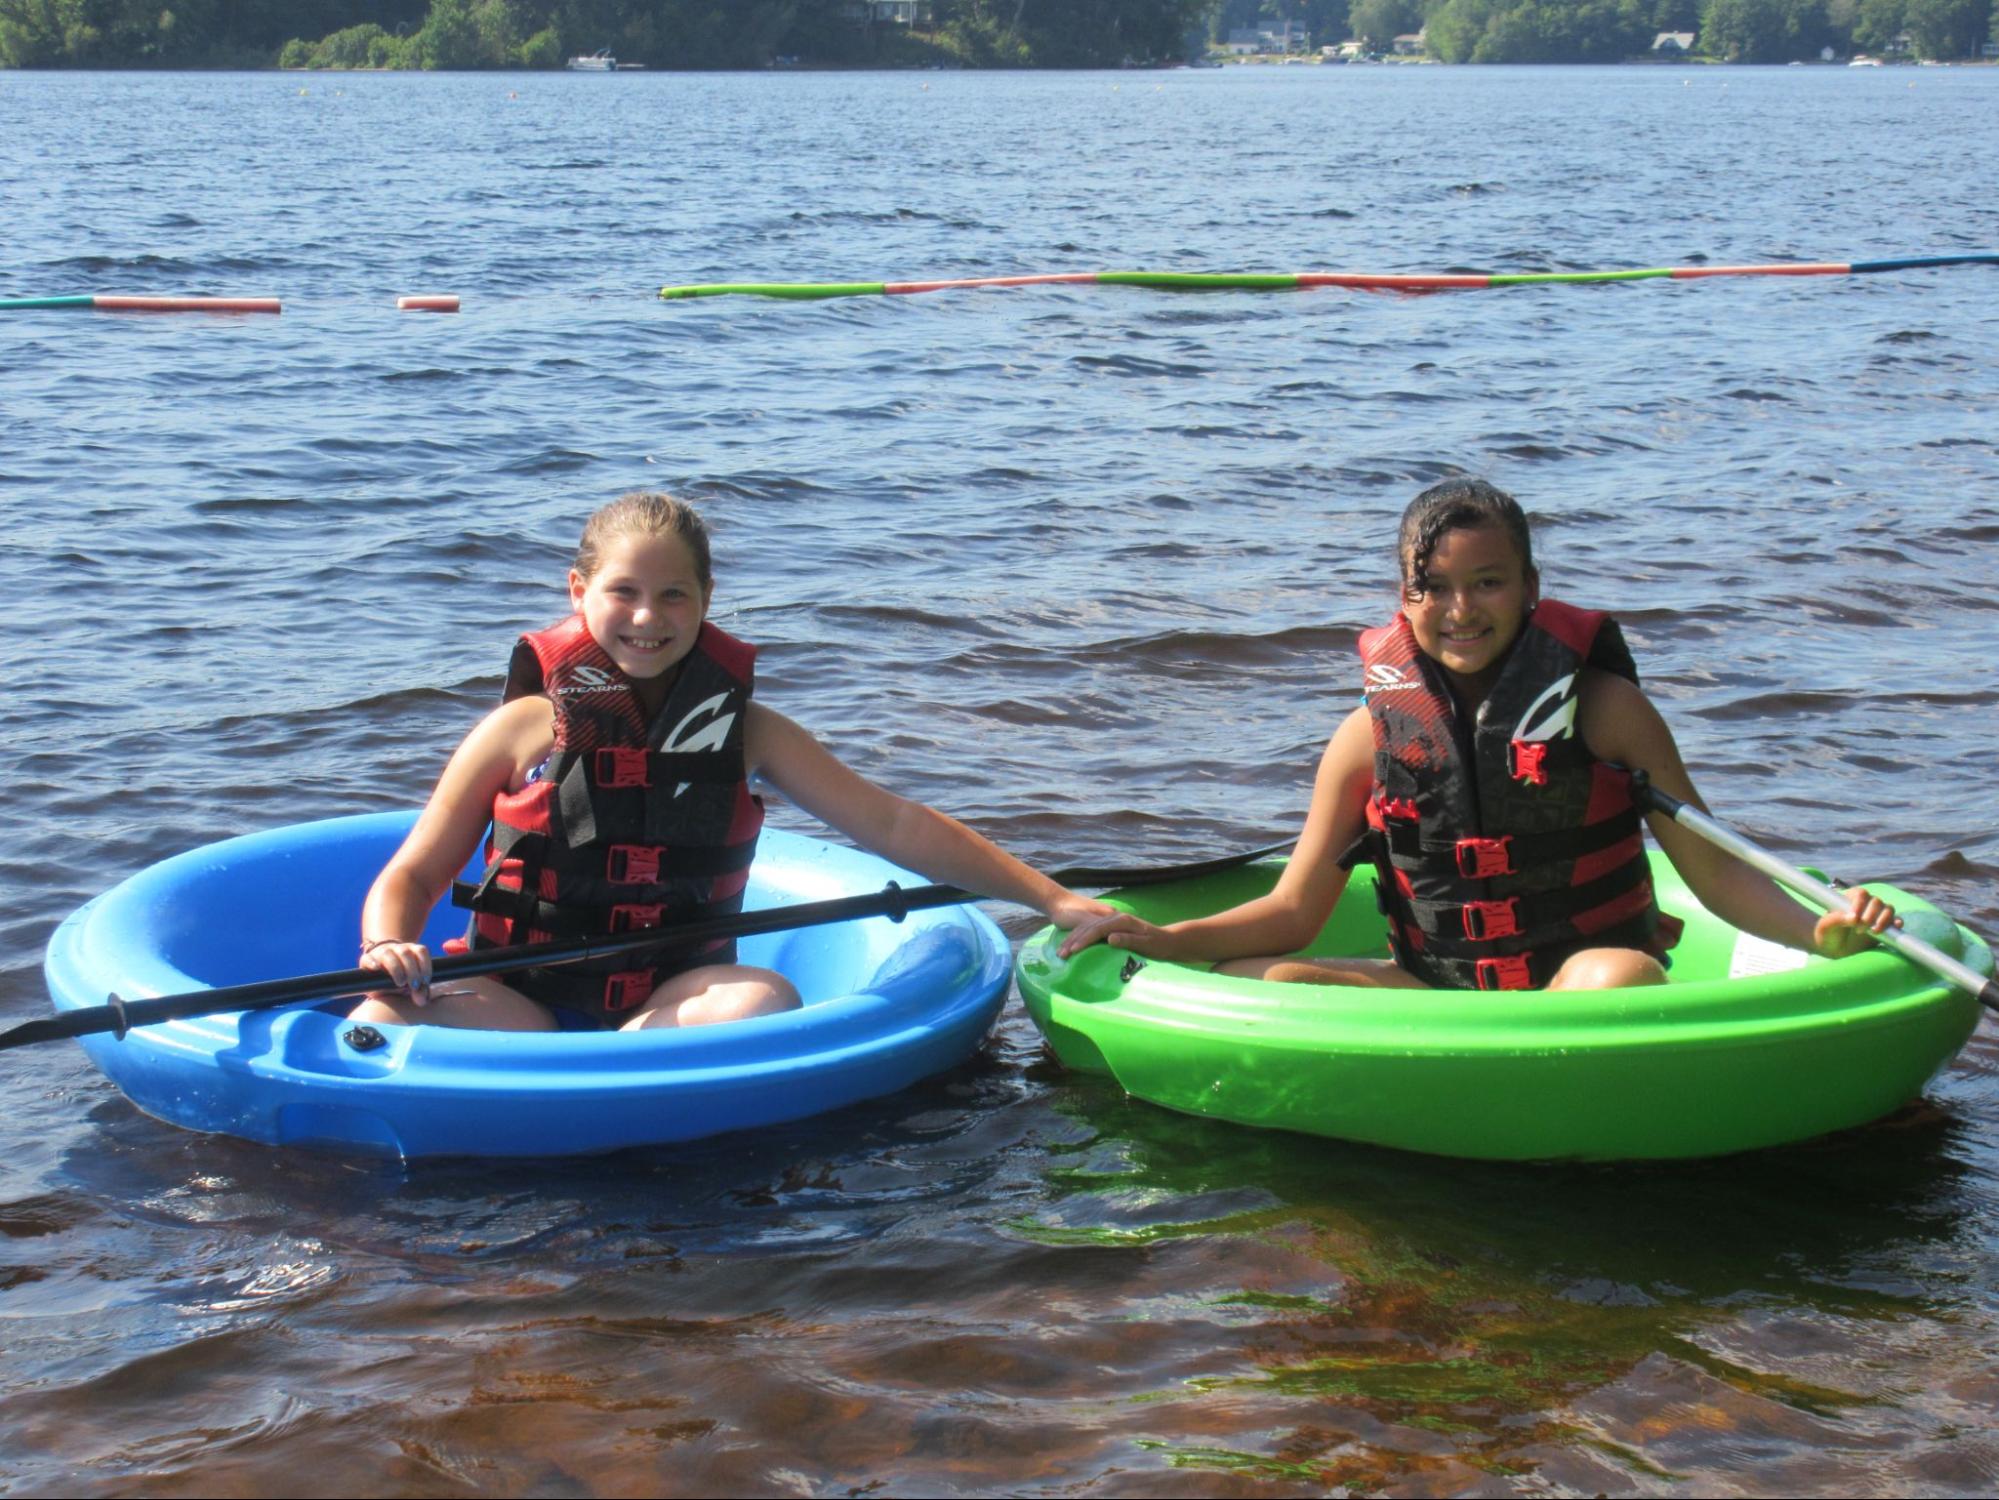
column 1384, row 678
column 589, row 679
column 691, row 737
column 1560, row 720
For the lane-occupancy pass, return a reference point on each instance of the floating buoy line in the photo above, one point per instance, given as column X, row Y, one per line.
column 1417, row 282
column 102, row 303
column 147, row 304
column 1414, row 283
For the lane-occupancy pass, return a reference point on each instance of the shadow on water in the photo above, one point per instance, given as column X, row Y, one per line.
column 1611, row 1325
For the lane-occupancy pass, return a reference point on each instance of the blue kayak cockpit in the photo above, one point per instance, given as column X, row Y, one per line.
column 886, row 1004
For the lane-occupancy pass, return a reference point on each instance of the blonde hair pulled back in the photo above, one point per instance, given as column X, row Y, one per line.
column 644, row 513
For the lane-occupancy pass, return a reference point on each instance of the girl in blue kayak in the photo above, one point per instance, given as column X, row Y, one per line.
column 616, row 778
column 1488, row 776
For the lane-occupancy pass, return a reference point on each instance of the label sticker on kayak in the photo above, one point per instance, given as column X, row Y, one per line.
column 1755, row 955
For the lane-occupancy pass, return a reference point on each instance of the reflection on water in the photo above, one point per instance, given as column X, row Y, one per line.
column 1007, row 1279
column 1083, row 566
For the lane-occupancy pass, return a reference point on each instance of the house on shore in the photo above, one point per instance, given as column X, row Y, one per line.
column 1260, row 41
column 1672, row 44
column 889, row 12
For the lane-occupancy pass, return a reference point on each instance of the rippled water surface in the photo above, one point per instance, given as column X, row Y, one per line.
column 1083, row 566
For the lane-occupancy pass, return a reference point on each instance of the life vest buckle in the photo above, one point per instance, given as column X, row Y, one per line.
column 632, row 864
column 627, row 991
column 1513, row 972
column 1481, row 859
column 1527, row 760
column 1485, row 920
column 635, row 918
column 1401, row 808
column 620, row 766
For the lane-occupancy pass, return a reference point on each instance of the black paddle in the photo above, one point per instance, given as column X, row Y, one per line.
column 119, row 1016
column 1816, row 891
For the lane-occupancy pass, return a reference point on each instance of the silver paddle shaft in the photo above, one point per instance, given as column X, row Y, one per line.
column 1820, row 894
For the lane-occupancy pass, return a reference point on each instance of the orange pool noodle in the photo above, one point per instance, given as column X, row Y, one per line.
column 427, row 304
column 188, row 304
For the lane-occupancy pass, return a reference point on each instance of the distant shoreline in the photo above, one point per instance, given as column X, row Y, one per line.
column 1255, row 61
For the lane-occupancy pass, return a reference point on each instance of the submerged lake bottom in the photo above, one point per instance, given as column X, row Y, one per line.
column 1005, row 1278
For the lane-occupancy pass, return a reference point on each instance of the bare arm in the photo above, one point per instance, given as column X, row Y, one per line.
column 1305, row 894
column 497, row 754
column 909, row 833
column 1619, row 723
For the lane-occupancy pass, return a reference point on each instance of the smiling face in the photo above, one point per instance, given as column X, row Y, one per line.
column 1474, row 596
column 644, row 604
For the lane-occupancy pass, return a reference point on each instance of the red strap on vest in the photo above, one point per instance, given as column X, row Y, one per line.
column 622, row 766
column 1481, row 859
column 628, row 991
column 1485, row 920
column 632, row 864
column 1527, row 760
column 1513, row 972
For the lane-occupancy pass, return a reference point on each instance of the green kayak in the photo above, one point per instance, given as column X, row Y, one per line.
column 1749, row 1045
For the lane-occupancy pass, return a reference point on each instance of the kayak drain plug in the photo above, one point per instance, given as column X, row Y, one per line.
column 364, row 1038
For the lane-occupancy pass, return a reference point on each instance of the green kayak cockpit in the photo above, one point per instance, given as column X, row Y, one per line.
column 1747, row 1045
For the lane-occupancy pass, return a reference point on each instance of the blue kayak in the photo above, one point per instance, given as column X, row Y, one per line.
column 886, row 1004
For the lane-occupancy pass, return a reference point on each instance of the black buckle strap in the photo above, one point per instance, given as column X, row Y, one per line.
column 1526, row 851
column 645, row 864
column 1513, row 971
column 1452, row 925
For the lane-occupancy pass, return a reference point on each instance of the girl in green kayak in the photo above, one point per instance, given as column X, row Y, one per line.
column 1488, row 776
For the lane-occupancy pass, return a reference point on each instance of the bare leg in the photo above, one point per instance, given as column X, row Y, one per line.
column 1607, row 969
column 478, row 1004
column 1363, row 973
column 715, row 993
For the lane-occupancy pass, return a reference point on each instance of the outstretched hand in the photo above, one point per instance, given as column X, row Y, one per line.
column 1070, row 911
column 1839, row 933
column 1117, row 929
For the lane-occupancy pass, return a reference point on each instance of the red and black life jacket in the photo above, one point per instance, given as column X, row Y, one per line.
column 1502, row 846
column 631, row 824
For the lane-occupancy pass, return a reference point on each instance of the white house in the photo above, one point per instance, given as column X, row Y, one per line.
column 1248, row 41
column 1673, row 43
column 889, row 12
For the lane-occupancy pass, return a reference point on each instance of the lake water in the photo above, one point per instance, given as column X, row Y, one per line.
column 1082, row 566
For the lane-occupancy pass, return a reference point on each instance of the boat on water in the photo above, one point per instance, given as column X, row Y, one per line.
column 595, row 62
column 1748, row 1045
column 886, row 1004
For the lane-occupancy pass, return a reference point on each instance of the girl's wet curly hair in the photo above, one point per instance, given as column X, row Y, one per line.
column 1446, row 507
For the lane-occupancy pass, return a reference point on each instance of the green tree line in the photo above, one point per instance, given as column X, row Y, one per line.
column 1576, row 31
column 973, row 33
column 544, row 33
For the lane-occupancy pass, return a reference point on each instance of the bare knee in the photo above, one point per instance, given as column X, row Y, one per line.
column 1359, row 973
column 1608, row 969
column 377, row 1012
column 716, row 993
column 1294, row 971
column 477, row 1004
